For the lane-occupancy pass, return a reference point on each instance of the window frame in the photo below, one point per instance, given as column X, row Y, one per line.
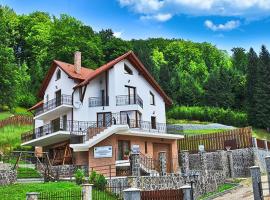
column 58, row 74
column 127, row 70
column 152, row 99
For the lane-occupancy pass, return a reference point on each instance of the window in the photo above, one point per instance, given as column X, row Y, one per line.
column 127, row 70
column 131, row 94
column 153, row 122
column 152, row 99
column 145, row 147
column 58, row 74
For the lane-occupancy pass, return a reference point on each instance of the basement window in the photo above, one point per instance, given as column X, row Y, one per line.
column 58, row 74
column 127, row 70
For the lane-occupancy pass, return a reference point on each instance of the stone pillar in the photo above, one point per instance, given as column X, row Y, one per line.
column 254, row 141
column 87, row 191
column 203, row 161
column 230, row 163
column 223, row 161
column 135, row 164
column 163, row 163
column 32, row 196
column 265, row 145
column 267, row 162
column 187, row 192
column 185, row 161
column 256, row 182
column 132, row 194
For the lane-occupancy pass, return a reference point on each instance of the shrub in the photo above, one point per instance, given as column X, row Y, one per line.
column 79, row 176
column 209, row 114
column 98, row 180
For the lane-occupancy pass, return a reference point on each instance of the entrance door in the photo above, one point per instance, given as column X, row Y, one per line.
column 104, row 119
column 123, row 149
column 158, row 147
column 55, row 125
column 58, row 98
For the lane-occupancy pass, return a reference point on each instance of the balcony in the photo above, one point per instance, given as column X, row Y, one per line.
column 129, row 100
column 54, row 107
column 55, row 132
column 98, row 101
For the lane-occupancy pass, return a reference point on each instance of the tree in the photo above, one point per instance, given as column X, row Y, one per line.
column 252, row 76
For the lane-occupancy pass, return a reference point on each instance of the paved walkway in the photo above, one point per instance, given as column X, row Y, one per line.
column 245, row 192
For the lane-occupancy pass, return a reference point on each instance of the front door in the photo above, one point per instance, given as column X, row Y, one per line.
column 58, row 98
column 104, row 119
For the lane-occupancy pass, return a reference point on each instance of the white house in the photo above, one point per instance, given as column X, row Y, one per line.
column 94, row 117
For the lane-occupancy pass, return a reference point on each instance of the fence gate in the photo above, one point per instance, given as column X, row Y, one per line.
column 176, row 194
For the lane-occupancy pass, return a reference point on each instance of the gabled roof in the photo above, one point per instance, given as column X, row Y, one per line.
column 68, row 69
column 137, row 64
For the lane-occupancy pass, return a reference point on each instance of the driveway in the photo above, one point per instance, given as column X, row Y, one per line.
column 245, row 192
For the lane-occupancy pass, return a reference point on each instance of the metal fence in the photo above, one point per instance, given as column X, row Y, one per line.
column 65, row 195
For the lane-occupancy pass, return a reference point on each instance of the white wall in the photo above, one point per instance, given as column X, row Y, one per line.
column 117, row 79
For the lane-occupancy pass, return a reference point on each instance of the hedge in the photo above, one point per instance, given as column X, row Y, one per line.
column 209, row 114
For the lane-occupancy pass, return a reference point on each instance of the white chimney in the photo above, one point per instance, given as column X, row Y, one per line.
column 77, row 62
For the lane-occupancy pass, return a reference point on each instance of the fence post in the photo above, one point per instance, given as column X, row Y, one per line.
column 163, row 162
column 223, row 161
column 254, row 141
column 132, row 194
column 135, row 164
column 265, row 145
column 185, row 161
column 267, row 162
column 87, row 191
column 256, row 182
column 32, row 196
column 203, row 161
column 187, row 192
column 230, row 163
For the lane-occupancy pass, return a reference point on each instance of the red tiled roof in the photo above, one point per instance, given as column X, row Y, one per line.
column 137, row 64
column 36, row 106
column 68, row 69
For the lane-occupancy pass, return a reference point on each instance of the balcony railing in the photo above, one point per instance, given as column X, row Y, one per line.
column 129, row 100
column 89, row 129
column 54, row 103
column 98, row 101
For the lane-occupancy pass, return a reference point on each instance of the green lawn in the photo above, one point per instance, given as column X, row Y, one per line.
column 4, row 115
column 23, row 172
column 220, row 189
column 203, row 131
column 10, row 136
column 183, row 121
column 18, row 191
column 261, row 134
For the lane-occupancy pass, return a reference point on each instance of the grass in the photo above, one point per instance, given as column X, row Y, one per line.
column 15, row 111
column 4, row 115
column 203, row 131
column 18, row 191
column 23, row 172
column 10, row 136
column 184, row 121
column 220, row 189
column 261, row 134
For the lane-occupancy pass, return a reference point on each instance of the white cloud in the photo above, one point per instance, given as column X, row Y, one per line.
column 241, row 8
column 117, row 34
column 159, row 17
column 222, row 27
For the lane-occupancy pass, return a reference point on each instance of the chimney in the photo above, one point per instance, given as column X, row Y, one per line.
column 77, row 62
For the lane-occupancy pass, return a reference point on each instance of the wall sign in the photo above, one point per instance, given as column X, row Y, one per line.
column 135, row 148
column 103, row 152
column 201, row 148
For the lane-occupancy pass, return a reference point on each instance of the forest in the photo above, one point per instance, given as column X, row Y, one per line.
column 192, row 74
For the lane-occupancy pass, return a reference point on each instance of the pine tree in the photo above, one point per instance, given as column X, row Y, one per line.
column 251, row 86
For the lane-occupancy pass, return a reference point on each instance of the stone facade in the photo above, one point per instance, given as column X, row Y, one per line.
column 7, row 175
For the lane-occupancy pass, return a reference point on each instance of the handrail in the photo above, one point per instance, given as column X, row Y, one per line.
column 129, row 100
column 98, row 101
column 53, row 103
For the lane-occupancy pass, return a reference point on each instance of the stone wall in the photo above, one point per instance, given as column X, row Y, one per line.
column 7, row 175
column 67, row 170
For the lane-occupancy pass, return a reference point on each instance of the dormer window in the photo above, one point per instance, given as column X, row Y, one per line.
column 127, row 70
column 58, row 74
column 152, row 99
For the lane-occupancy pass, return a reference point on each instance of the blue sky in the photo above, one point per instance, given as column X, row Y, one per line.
column 224, row 23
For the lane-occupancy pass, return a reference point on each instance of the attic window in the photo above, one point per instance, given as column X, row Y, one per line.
column 127, row 70
column 58, row 74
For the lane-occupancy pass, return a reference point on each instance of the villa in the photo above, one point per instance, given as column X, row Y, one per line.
column 97, row 117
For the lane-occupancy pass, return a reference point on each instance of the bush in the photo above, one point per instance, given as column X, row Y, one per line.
column 79, row 176
column 98, row 180
column 209, row 114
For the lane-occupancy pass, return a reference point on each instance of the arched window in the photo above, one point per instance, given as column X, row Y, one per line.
column 58, row 74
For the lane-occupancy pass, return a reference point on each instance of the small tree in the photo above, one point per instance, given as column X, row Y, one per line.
column 79, row 176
